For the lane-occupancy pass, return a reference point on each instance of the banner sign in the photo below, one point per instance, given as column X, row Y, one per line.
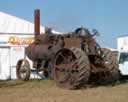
column 20, row 40
column 12, row 40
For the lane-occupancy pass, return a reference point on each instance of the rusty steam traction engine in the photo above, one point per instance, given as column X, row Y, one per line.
column 71, row 59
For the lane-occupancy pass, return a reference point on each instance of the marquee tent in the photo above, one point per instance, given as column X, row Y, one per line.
column 15, row 35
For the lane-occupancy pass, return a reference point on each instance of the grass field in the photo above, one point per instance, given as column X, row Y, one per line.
column 47, row 91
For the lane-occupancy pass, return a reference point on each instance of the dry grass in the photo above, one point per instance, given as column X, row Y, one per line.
column 47, row 91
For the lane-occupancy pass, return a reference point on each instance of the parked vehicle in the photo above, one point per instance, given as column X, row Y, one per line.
column 71, row 59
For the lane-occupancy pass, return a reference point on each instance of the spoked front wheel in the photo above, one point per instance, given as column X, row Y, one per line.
column 23, row 70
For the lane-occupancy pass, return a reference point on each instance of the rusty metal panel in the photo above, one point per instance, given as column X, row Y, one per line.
column 72, row 42
column 37, row 23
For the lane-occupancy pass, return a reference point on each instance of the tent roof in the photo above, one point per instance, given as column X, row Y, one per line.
column 12, row 24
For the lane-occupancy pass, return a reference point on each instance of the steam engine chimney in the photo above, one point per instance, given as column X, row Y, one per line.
column 36, row 23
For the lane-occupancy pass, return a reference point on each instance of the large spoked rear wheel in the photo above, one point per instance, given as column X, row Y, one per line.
column 111, row 66
column 23, row 70
column 71, row 68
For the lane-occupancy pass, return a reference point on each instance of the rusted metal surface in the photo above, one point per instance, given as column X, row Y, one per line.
column 71, row 68
column 37, row 23
column 51, row 47
column 72, row 58
column 70, row 42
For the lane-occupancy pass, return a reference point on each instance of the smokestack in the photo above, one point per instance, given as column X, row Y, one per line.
column 36, row 23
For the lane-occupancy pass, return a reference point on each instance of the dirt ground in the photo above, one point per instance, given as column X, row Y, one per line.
column 47, row 91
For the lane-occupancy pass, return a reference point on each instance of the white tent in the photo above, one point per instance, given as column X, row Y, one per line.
column 12, row 24
column 14, row 36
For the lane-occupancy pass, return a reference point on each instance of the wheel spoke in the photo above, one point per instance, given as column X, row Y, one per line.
column 23, row 70
column 68, row 66
column 63, row 67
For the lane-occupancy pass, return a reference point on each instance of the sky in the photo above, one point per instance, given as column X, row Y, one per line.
column 109, row 17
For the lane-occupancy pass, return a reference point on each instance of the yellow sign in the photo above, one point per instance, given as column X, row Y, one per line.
column 20, row 40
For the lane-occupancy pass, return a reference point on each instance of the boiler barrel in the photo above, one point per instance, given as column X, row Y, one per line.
column 35, row 52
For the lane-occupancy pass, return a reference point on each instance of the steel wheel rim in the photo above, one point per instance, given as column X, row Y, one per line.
column 23, row 70
column 68, row 59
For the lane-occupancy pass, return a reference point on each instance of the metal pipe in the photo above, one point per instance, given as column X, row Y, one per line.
column 36, row 23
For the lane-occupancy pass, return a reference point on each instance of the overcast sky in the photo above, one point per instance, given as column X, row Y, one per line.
column 109, row 17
